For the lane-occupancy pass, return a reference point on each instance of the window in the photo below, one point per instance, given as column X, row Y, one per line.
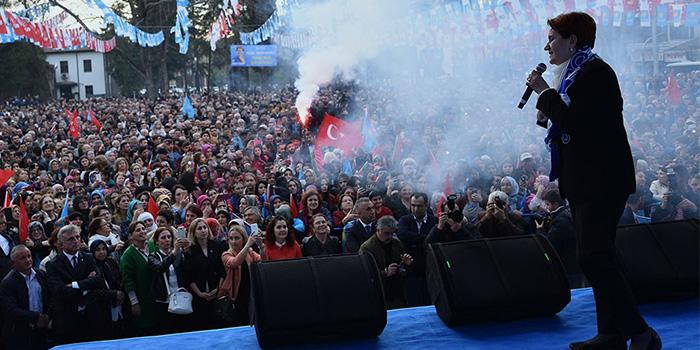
column 87, row 66
column 64, row 67
column 88, row 90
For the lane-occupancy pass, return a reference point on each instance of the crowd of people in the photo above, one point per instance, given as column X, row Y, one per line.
column 153, row 203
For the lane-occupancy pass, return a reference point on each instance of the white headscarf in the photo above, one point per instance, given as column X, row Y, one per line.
column 147, row 215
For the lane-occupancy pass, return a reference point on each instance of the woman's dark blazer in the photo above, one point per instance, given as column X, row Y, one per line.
column 597, row 160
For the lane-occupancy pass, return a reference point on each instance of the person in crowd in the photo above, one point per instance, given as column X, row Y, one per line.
column 150, row 222
column 633, row 205
column 72, row 276
column 311, row 201
column 510, row 187
column 661, row 185
column 102, row 211
column 203, row 272
column 392, row 260
column 251, row 220
column 279, row 244
column 37, row 242
column 166, row 263
column 450, row 228
column 497, row 220
column 320, row 242
column 400, row 203
column 413, row 230
column 472, row 208
column 100, row 229
column 237, row 260
column 107, row 316
column 585, row 111
column 674, row 207
column 344, row 214
column 377, row 198
column 24, row 301
column 558, row 226
column 361, row 229
column 137, row 278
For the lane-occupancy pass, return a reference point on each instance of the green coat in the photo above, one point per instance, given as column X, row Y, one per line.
column 137, row 277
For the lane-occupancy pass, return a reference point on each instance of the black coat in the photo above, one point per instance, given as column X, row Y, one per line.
column 67, row 320
column 562, row 234
column 597, row 160
column 160, row 264
column 14, row 303
column 414, row 239
column 203, row 270
column 355, row 235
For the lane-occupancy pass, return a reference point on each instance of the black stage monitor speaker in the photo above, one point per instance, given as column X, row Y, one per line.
column 317, row 299
column 496, row 279
column 661, row 260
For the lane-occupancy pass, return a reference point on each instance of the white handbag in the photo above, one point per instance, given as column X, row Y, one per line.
column 179, row 301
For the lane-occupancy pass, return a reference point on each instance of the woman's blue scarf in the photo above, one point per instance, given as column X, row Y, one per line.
column 581, row 56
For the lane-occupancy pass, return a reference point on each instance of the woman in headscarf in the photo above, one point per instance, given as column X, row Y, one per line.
column 135, row 209
column 37, row 243
column 511, row 188
column 106, row 316
column 149, row 222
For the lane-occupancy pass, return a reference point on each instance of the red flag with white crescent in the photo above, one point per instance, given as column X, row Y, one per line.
column 337, row 133
column 74, row 128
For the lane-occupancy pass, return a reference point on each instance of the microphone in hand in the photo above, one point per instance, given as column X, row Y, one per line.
column 541, row 68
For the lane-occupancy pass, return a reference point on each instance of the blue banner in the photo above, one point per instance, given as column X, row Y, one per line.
column 253, row 55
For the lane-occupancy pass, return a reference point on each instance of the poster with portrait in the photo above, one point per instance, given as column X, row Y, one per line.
column 253, row 55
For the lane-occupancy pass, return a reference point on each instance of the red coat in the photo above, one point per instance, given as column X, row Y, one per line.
column 287, row 251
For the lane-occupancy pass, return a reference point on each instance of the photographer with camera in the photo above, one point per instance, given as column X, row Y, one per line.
column 452, row 225
column 558, row 226
column 497, row 220
column 674, row 206
column 392, row 261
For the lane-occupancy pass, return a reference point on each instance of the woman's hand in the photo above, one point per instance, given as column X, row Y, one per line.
column 536, row 82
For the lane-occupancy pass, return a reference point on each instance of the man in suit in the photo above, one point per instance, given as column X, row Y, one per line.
column 72, row 275
column 24, row 302
column 413, row 229
column 361, row 229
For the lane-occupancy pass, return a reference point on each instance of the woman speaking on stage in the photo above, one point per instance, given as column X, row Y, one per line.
column 586, row 135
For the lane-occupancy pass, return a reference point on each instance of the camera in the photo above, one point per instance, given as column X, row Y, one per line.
column 544, row 219
column 499, row 203
column 452, row 209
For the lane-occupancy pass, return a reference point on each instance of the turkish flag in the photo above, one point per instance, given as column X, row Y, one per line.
column 3, row 28
column 6, row 174
column 23, row 221
column 337, row 133
column 74, row 128
column 152, row 206
column 93, row 119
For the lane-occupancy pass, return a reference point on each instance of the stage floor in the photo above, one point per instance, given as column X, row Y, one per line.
column 678, row 323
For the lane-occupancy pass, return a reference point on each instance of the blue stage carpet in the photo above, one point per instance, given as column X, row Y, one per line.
column 678, row 323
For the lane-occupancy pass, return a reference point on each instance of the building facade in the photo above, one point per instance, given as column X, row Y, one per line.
column 79, row 74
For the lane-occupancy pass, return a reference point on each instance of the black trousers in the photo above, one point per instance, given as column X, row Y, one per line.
column 596, row 227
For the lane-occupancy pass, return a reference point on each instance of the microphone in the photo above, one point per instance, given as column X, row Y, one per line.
column 526, row 95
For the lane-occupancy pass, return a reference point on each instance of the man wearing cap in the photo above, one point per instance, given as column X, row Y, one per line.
column 526, row 171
